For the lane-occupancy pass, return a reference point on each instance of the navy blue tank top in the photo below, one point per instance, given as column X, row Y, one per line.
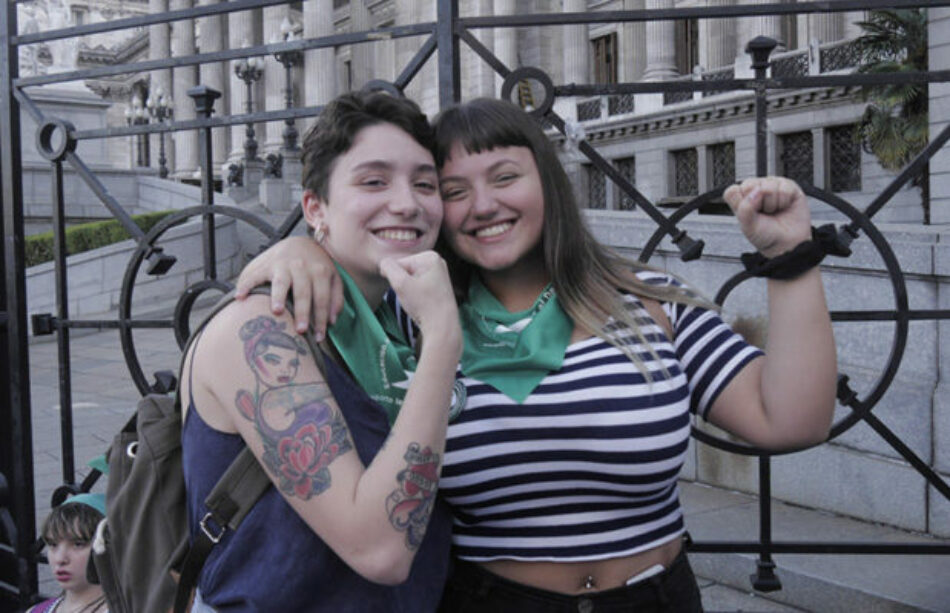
column 274, row 562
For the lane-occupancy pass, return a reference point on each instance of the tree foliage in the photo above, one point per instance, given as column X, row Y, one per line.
column 894, row 126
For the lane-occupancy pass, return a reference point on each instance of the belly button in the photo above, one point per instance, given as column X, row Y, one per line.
column 589, row 583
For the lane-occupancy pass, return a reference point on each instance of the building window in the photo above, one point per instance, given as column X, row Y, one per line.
column 722, row 163
column 604, row 57
column 844, row 159
column 687, row 45
column 347, row 75
column 796, row 157
column 596, row 187
column 627, row 167
column 685, row 172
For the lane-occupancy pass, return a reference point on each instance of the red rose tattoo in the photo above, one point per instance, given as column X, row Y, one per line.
column 301, row 456
column 410, row 506
column 304, row 458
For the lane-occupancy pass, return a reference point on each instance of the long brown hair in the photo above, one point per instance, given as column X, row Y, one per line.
column 589, row 279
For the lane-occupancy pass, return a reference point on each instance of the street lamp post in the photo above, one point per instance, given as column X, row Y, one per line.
column 135, row 115
column 160, row 108
column 289, row 59
column 249, row 70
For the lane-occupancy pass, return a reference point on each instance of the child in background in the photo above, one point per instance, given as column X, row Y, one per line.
column 68, row 532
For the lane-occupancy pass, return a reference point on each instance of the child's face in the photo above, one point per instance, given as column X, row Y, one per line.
column 68, row 559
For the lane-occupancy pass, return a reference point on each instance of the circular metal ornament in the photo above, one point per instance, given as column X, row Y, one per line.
column 54, row 139
column 526, row 73
column 186, row 301
column 901, row 309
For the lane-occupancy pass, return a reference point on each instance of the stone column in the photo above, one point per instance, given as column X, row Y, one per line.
column 361, row 54
column 826, row 27
column 319, row 64
column 244, row 30
column 159, row 49
column 273, row 78
column 661, row 51
column 576, row 50
column 750, row 27
column 184, row 78
column 211, row 30
column 506, row 41
column 480, row 79
column 661, row 55
column 424, row 88
column 575, row 57
column 717, row 39
column 632, row 45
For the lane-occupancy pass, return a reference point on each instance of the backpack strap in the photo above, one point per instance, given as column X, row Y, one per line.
column 238, row 489
column 232, row 497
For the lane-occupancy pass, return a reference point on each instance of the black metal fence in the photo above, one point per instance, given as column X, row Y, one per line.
column 57, row 139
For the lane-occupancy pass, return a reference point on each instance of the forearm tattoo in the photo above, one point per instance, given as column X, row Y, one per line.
column 302, row 434
column 410, row 505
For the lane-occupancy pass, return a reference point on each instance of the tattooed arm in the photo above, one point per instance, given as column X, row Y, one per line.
column 253, row 376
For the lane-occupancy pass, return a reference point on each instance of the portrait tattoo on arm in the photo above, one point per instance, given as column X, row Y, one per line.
column 410, row 505
column 301, row 432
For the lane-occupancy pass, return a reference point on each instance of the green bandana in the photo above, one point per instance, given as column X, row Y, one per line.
column 513, row 352
column 373, row 347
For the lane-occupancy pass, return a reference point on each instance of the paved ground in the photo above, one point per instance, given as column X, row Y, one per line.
column 104, row 396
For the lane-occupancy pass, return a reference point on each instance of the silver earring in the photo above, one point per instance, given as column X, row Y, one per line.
column 320, row 233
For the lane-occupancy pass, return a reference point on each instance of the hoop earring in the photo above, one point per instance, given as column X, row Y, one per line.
column 320, row 233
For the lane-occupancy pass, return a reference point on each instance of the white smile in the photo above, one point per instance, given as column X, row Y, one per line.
column 397, row 234
column 495, row 230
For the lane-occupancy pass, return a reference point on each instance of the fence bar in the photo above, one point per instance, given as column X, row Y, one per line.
column 765, row 579
column 807, row 547
column 62, row 336
column 450, row 88
column 335, row 40
column 204, row 98
column 696, row 12
column 17, row 456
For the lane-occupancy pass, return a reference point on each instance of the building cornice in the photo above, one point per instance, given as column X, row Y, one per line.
column 735, row 106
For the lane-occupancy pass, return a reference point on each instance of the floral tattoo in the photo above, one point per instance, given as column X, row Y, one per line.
column 302, row 434
column 410, row 506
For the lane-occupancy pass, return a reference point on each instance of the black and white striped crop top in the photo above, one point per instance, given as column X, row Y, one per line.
column 586, row 468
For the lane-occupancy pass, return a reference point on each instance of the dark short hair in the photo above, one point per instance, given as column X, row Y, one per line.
column 70, row 520
column 342, row 118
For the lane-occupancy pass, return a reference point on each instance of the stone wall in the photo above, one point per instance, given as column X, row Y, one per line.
column 95, row 277
column 858, row 473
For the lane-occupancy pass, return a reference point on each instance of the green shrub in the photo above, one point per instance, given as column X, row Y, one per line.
column 87, row 236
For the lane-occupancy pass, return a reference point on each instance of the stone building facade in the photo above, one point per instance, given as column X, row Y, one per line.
column 672, row 146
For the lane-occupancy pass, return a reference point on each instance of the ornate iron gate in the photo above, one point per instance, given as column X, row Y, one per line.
column 57, row 139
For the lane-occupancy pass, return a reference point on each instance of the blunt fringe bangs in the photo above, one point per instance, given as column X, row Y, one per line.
column 481, row 125
column 70, row 521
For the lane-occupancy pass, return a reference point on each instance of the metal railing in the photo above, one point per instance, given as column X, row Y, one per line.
column 57, row 143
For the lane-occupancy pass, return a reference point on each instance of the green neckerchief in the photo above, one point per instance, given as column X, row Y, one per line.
column 373, row 347
column 513, row 352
